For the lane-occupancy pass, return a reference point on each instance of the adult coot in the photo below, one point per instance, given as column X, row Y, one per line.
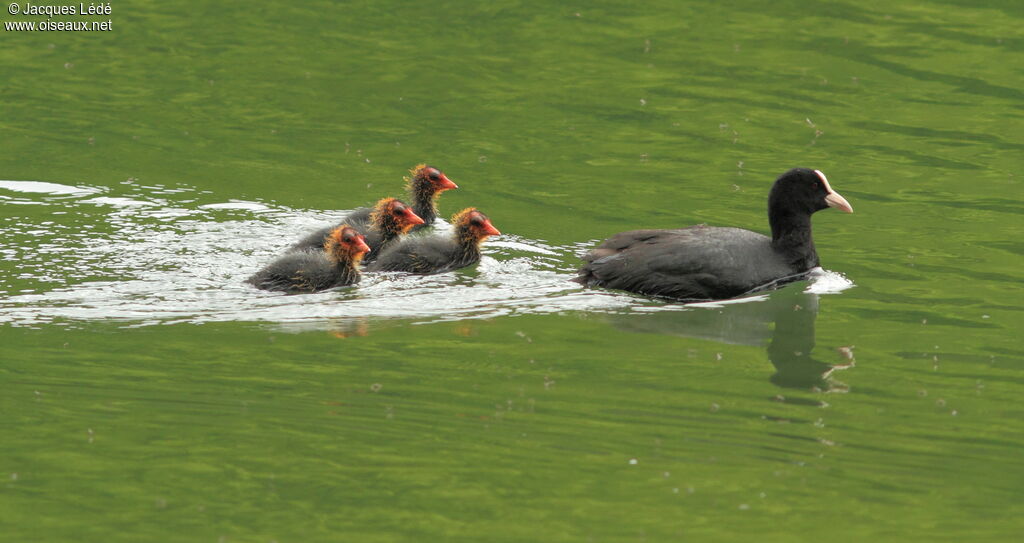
column 389, row 219
column 711, row 263
column 436, row 254
column 335, row 265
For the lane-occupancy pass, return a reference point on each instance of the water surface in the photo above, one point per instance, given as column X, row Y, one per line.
column 149, row 394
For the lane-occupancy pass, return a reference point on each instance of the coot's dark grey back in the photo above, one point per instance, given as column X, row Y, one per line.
column 695, row 263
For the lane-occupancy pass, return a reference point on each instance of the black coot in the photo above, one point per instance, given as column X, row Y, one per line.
column 711, row 263
column 336, row 264
column 425, row 184
column 436, row 254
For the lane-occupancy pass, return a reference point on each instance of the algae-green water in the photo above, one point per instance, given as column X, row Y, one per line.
column 148, row 394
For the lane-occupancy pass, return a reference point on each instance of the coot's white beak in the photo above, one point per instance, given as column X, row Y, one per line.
column 833, row 198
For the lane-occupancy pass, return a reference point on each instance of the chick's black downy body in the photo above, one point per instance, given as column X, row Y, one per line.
column 437, row 254
column 335, row 265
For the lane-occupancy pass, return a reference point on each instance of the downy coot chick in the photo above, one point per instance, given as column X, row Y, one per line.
column 388, row 219
column 335, row 265
column 436, row 254
column 425, row 184
column 712, row 263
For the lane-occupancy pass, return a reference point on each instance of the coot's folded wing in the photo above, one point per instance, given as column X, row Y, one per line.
column 696, row 263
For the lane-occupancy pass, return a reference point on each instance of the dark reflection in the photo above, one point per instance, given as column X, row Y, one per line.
column 788, row 343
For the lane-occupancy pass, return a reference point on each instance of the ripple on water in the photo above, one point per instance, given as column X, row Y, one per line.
column 178, row 255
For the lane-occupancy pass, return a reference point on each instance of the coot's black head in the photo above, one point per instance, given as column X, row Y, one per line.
column 472, row 224
column 430, row 180
column 394, row 216
column 802, row 191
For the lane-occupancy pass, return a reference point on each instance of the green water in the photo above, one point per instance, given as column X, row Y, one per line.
column 146, row 394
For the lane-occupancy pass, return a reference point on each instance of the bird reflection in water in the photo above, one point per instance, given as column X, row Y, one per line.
column 788, row 343
column 347, row 328
column 360, row 327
